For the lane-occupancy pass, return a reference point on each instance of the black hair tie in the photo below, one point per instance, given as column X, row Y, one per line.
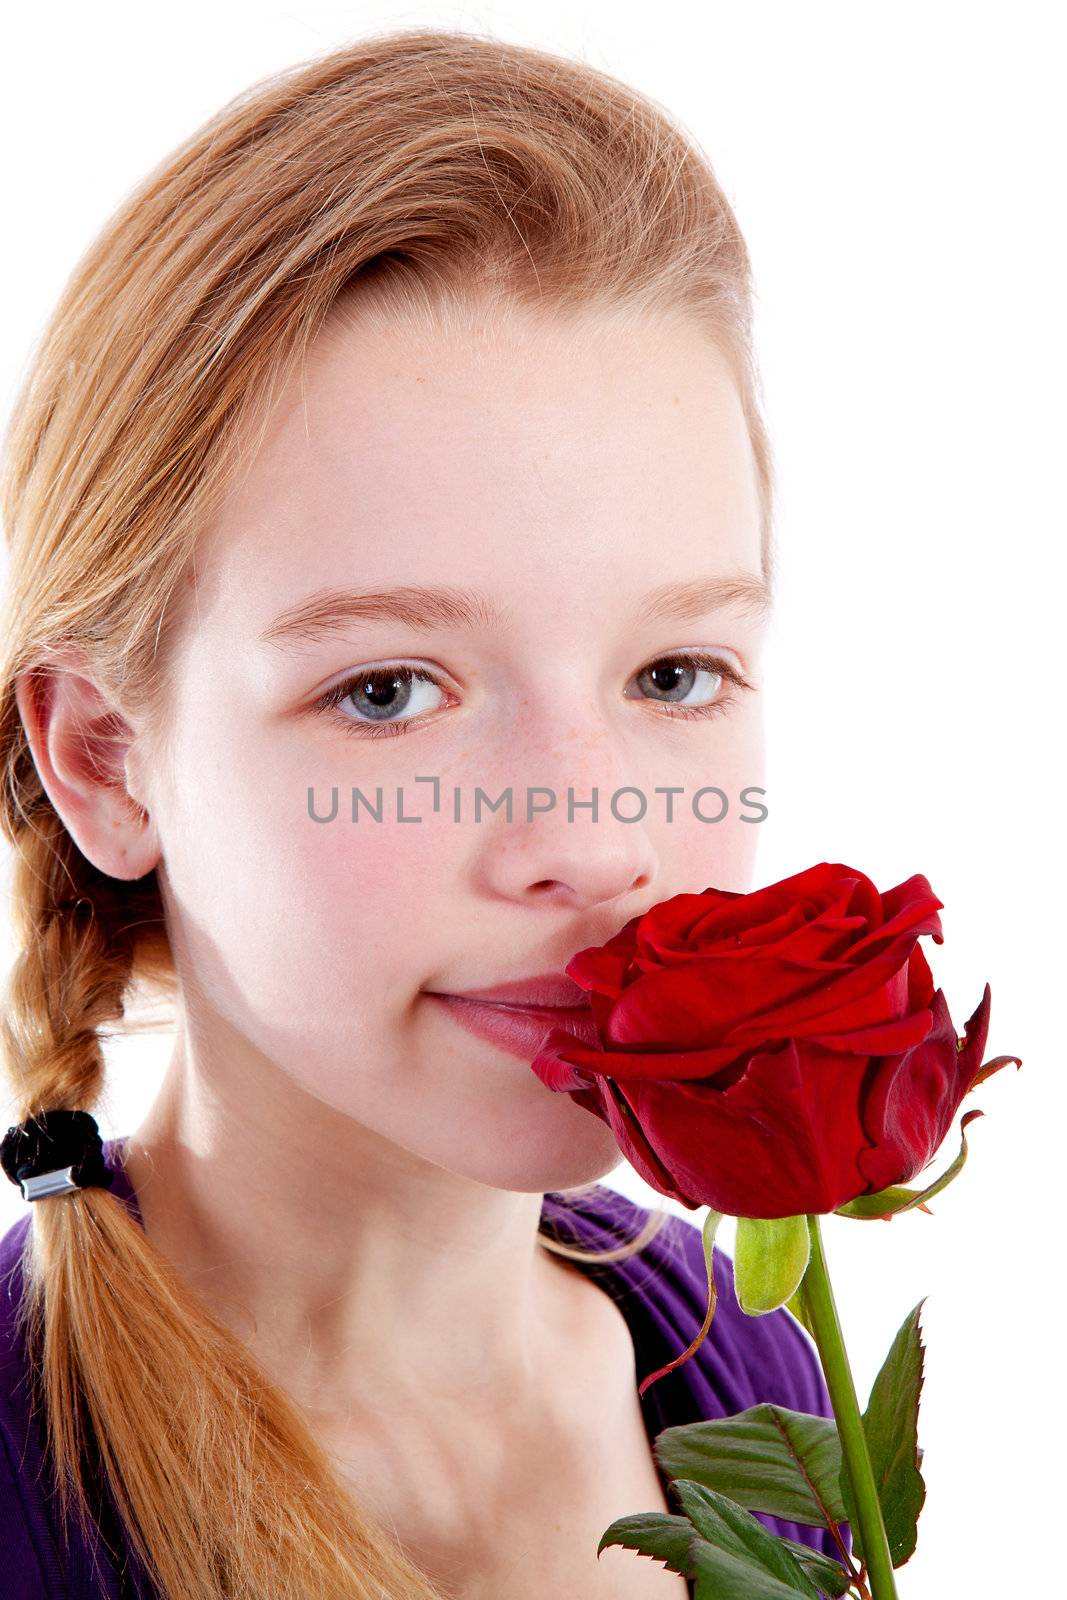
column 55, row 1152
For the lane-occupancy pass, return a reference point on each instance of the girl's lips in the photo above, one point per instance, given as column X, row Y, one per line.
column 545, row 991
column 520, row 1030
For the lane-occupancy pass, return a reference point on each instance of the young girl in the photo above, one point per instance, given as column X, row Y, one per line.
column 412, row 398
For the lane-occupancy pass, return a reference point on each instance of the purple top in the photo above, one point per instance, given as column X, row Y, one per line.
column 662, row 1293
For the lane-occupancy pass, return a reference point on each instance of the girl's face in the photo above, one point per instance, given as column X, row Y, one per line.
column 556, row 489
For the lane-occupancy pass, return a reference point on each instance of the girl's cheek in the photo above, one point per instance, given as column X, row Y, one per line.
column 376, row 859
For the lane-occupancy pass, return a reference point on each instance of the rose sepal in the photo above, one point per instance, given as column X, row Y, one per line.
column 889, row 1203
column 711, row 1223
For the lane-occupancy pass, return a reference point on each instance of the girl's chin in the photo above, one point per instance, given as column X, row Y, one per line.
column 563, row 1153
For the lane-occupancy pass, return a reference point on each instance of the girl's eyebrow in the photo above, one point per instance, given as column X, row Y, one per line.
column 430, row 606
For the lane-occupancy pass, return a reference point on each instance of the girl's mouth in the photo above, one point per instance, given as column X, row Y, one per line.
column 520, row 1030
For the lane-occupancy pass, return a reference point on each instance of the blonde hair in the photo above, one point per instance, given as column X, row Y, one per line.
column 415, row 169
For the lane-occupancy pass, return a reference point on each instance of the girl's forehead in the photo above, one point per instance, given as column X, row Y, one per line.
column 379, row 466
column 372, row 388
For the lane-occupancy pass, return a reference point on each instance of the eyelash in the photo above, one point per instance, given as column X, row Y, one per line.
column 391, row 730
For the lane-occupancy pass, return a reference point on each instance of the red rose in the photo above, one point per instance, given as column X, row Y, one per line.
column 774, row 1053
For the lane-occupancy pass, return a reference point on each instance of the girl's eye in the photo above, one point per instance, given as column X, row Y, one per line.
column 380, row 694
column 670, row 680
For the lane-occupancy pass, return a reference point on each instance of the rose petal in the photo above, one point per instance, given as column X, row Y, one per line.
column 910, row 1104
column 780, row 1141
column 627, row 1065
column 884, row 1039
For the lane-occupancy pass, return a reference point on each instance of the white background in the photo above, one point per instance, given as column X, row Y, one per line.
column 897, row 172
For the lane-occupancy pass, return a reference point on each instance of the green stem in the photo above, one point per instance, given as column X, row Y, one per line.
column 822, row 1309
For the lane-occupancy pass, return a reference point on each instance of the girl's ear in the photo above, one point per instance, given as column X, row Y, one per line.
column 83, row 748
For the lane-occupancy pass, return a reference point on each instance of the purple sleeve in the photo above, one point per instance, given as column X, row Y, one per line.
column 30, row 1564
column 23, row 1568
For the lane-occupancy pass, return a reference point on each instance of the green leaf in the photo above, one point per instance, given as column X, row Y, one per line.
column 890, row 1424
column 668, row 1539
column 828, row 1575
column 770, row 1257
column 721, row 1575
column 653, row 1533
column 768, row 1458
column 890, row 1202
column 734, row 1548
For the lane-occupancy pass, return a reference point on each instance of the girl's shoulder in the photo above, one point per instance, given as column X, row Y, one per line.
column 663, row 1291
